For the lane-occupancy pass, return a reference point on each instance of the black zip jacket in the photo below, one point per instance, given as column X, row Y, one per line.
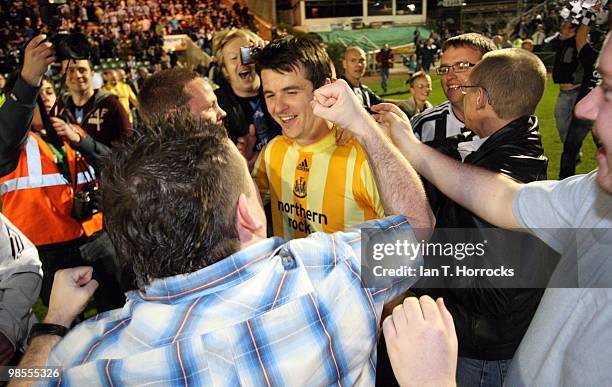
column 240, row 116
column 490, row 323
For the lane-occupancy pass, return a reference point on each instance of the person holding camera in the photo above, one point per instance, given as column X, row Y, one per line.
column 39, row 177
column 248, row 123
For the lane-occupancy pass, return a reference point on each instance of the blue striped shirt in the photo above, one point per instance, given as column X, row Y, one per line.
column 275, row 313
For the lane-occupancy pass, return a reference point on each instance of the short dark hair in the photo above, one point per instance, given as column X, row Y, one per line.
column 289, row 53
column 165, row 91
column 477, row 41
column 169, row 196
column 516, row 93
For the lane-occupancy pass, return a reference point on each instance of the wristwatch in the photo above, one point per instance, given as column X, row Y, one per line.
column 40, row 329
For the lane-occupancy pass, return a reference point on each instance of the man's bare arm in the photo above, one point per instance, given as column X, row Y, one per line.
column 485, row 193
column 72, row 288
column 399, row 186
column 36, row 356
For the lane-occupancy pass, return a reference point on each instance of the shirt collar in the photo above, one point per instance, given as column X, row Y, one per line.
column 467, row 147
column 237, row 267
column 324, row 143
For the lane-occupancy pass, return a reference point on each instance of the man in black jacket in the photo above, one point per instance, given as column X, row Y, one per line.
column 491, row 322
column 354, row 64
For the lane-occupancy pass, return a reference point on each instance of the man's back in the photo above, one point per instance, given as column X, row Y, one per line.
column 319, row 187
column 267, row 315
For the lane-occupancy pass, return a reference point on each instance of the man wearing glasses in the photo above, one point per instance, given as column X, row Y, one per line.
column 490, row 323
column 459, row 55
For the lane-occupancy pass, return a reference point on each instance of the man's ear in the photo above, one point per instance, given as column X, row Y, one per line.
column 482, row 99
column 246, row 225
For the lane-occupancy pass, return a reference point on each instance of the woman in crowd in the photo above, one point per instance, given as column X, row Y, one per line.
column 420, row 90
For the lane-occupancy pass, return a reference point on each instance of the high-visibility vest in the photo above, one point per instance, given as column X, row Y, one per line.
column 38, row 199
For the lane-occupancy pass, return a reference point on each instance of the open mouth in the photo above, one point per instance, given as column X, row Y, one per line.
column 454, row 87
column 244, row 74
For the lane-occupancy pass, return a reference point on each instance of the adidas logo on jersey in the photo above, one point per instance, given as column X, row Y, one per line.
column 303, row 166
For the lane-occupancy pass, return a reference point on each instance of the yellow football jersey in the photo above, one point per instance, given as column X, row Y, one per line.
column 319, row 187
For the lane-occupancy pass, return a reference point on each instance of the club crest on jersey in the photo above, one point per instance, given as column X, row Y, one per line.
column 303, row 166
column 299, row 190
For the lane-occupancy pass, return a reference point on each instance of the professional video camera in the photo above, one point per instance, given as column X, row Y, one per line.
column 67, row 45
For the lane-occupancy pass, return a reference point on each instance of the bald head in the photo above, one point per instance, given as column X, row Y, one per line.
column 354, row 64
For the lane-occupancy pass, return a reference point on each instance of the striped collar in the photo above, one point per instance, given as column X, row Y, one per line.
column 239, row 266
column 327, row 141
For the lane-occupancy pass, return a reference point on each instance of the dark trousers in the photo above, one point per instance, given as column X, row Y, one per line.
column 578, row 129
column 64, row 255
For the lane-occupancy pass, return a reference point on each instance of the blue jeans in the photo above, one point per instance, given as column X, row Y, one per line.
column 564, row 111
column 384, row 73
column 481, row 373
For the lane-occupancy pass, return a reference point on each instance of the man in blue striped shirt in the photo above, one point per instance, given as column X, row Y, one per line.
column 218, row 303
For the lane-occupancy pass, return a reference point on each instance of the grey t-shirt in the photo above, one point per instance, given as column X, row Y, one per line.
column 569, row 341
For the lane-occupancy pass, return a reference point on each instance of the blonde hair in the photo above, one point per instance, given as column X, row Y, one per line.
column 514, row 80
column 221, row 38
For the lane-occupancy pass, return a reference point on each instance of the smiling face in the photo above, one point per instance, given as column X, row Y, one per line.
column 597, row 107
column 79, row 75
column 243, row 79
column 288, row 96
column 421, row 88
column 452, row 80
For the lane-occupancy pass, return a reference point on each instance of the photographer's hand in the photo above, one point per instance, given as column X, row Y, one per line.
column 39, row 54
column 65, row 131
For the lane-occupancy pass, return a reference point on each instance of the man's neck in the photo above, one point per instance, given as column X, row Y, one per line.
column 324, row 128
column 247, row 93
column 353, row 82
column 490, row 125
column 458, row 112
column 80, row 98
column 253, row 240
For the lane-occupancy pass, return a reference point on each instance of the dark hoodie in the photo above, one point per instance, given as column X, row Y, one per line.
column 104, row 118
